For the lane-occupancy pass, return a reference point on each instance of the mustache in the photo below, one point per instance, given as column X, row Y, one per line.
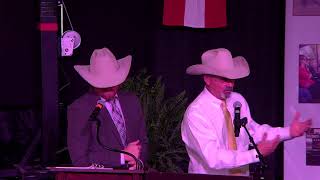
column 228, row 88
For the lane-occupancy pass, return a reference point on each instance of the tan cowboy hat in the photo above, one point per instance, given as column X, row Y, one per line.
column 104, row 69
column 219, row 62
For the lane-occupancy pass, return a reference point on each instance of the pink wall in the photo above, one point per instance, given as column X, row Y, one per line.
column 299, row 30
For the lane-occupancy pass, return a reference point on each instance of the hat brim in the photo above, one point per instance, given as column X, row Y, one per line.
column 239, row 70
column 106, row 80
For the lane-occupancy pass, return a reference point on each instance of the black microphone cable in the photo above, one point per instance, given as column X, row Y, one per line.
column 139, row 163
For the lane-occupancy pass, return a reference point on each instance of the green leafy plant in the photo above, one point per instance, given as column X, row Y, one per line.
column 163, row 119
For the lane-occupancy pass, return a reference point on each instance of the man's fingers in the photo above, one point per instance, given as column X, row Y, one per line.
column 135, row 142
column 132, row 165
column 306, row 125
column 296, row 116
column 308, row 122
column 264, row 136
column 276, row 141
column 276, row 138
column 131, row 162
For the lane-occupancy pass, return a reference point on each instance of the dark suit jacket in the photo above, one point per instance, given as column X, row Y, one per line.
column 82, row 144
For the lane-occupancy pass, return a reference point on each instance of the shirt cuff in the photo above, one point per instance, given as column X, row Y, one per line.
column 122, row 159
column 285, row 133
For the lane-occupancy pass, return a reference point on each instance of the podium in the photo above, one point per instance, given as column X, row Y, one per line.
column 185, row 176
column 96, row 174
column 109, row 174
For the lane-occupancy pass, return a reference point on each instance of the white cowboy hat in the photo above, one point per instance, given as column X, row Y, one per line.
column 105, row 70
column 219, row 62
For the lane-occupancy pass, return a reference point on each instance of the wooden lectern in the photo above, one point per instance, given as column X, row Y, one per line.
column 78, row 173
column 109, row 174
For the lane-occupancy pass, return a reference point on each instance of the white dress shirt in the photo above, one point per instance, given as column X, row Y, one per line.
column 204, row 133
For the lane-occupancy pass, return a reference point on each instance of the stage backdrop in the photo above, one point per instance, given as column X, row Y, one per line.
column 135, row 27
column 302, row 37
column 19, row 55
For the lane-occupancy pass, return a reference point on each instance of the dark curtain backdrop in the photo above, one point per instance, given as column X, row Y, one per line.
column 20, row 77
column 19, row 55
column 255, row 30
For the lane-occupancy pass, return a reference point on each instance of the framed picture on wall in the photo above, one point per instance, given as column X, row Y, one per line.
column 306, row 7
column 313, row 147
column 309, row 73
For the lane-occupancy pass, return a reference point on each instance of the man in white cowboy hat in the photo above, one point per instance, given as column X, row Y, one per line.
column 122, row 121
column 207, row 127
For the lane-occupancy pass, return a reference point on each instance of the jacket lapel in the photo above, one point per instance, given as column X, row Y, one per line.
column 126, row 107
column 107, row 122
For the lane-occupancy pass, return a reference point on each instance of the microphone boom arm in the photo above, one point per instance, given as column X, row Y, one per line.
column 263, row 164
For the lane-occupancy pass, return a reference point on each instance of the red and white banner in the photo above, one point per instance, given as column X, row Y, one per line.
column 195, row 13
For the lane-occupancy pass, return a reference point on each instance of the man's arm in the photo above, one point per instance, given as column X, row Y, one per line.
column 203, row 143
column 257, row 131
column 78, row 137
column 140, row 145
column 296, row 129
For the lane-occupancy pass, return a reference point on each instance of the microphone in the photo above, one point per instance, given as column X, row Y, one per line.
column 237, row 121
column 96, row 110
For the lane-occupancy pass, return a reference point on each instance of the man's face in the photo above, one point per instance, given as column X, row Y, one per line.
column 107, row 93
column 220, row 87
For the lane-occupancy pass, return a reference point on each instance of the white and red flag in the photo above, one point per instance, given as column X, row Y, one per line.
column 195, row 13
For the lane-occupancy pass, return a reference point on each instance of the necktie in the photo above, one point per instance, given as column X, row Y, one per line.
column 232, row 144
column 231, row 137
column 118, row 120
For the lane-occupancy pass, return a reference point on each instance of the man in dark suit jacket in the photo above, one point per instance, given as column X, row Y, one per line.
column 122, row 121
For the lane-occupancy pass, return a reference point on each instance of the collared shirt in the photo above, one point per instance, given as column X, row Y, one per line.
column 108, row 105
column 204, row 133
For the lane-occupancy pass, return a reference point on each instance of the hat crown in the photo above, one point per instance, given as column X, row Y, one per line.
column 221, row 58
column 220, row 62
column 104, row 69
column 103, row 60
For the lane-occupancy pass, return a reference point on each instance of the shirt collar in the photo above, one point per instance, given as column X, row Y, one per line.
column 115, row 97
column 212, row 98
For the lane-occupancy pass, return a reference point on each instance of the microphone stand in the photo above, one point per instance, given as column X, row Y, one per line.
column 139, row 163
column 262, row 165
